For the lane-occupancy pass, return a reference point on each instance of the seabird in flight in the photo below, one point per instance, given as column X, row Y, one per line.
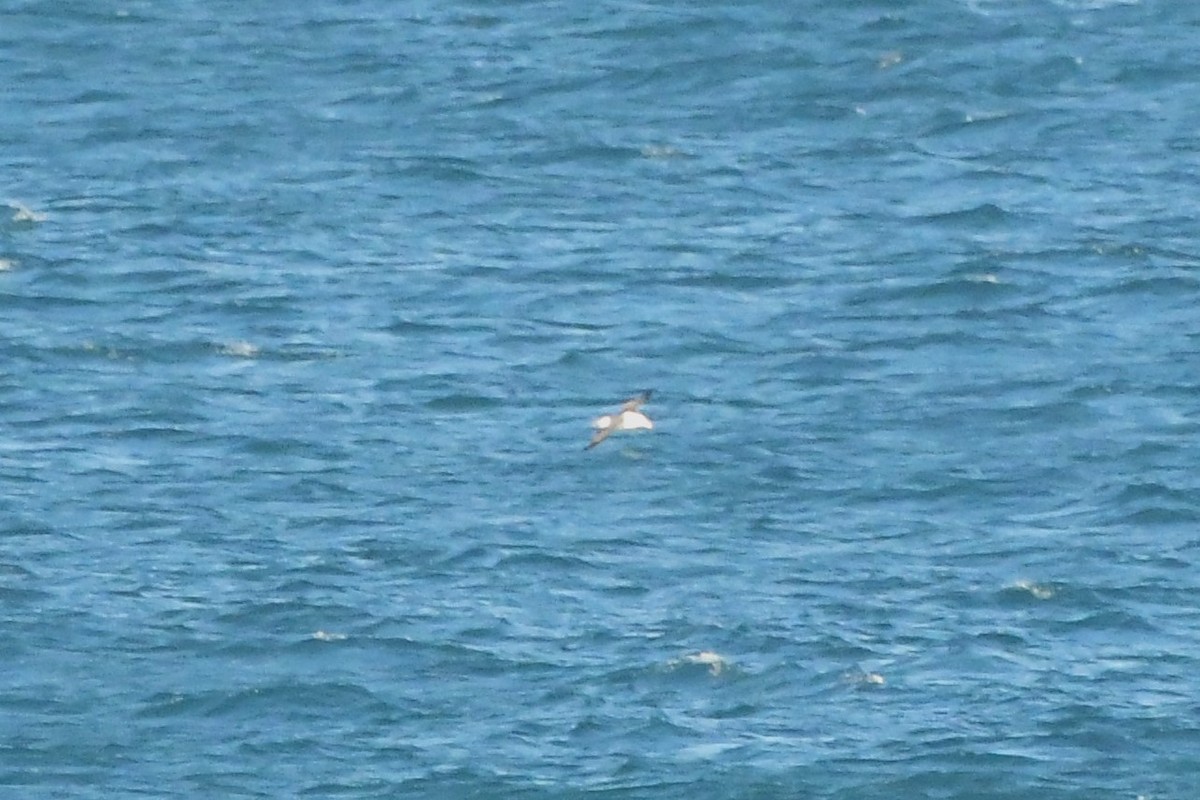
column 629, row 418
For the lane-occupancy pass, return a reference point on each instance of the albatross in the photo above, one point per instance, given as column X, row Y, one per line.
column 629, row 418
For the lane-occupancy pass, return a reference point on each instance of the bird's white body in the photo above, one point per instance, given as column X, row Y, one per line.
column 625, row 421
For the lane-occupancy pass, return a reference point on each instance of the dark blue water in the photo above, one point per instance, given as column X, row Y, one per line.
column 307, row 309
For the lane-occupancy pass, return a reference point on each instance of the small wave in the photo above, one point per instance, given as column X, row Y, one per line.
column 714, row 663
column 23, row 213
column 462, row 402
column 984, row 214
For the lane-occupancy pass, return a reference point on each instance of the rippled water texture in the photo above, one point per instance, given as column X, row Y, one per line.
column 307, row 309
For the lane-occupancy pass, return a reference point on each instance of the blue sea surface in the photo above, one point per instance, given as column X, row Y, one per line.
column 307, row 309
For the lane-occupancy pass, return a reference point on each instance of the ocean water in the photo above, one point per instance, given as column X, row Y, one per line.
column 307, row 309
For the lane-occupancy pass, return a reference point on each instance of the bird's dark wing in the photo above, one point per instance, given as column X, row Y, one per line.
column 634, row 403
column 601, row 435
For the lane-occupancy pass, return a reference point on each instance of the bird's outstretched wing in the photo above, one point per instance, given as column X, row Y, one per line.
column 634, row 403
column 601, row 435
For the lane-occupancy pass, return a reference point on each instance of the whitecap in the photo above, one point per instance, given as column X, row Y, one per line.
column 715, row 662
column 1039, row 590
column 859, row 677
column 23, row 213
column 240, row 349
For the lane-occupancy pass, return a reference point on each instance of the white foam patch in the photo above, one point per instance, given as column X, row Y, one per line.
column 1039, row 590
column 23, row 213
column 240, row 350
column 858, row 677
column 715, row 662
